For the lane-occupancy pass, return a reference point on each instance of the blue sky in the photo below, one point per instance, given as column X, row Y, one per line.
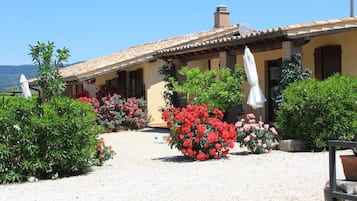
column 93, row 28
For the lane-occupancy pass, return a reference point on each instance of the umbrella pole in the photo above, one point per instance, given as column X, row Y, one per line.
column 260, row 116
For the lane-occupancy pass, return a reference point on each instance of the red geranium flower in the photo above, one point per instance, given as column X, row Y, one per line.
column 212, row 137
column 199, row 132
column 202, row 156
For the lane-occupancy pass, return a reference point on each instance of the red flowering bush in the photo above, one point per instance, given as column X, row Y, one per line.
column 91, row 101
column 116, row 112
column 110, row 114
column 257, row 137
column 103, row 152
column 135, row 116
column 81, row 93
column 106, row 91
column 198, row 133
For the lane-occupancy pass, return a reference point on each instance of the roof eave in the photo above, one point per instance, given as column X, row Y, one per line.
column 221, row 44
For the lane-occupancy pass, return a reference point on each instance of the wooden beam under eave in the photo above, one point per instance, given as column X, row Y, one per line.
column 258, row 47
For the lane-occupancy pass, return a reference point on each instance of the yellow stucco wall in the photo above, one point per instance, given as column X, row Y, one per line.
column 203, row 64
column 154, row 87
column 100, row 80
column 348, row 42
column 260, row 60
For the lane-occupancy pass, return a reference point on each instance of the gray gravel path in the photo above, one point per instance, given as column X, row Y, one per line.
column 144, row 170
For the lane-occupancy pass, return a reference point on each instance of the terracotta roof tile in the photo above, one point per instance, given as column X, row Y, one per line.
column 289, row 30
column 138, row 54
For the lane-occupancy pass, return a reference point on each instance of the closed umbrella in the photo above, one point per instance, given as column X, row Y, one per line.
column 25, row 86
column 256, row 97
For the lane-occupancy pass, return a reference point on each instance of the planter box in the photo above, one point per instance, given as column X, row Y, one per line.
column 292, row 145
column 349, row 163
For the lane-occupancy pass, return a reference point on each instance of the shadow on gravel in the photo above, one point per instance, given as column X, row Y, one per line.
column 241, row 153
column 155, row 130
column 174, row 159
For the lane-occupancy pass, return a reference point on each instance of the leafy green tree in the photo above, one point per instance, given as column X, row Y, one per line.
column 292, row 71
column 48, row 61
column 168, row 71
column 220, row 89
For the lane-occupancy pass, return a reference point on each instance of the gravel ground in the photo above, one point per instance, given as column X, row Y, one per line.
column 144, row 170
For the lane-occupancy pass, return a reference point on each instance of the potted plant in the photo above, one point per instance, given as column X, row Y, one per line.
column 349, row 163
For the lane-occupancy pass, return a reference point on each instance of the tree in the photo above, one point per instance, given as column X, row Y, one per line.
column 168, row 71
column 292, row 71
column 220, row 89
column 48, row 62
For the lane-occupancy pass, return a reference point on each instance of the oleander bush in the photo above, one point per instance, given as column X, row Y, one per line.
column 317, row 111
column 257, row 137
column 53, row 139
column 116, row 112
column 199, row 132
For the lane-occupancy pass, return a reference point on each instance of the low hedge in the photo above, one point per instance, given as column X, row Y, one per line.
column 316, row 111
column 53, row 139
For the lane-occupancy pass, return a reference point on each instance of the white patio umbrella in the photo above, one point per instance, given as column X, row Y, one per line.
column 25, row 86
column 256, row 97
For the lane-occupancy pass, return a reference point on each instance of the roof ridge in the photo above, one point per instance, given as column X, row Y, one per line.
column 318, row 23
column 141, row 50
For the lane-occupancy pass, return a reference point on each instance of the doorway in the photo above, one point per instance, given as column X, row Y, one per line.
column 274, row 72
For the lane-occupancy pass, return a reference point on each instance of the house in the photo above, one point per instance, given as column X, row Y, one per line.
column 326, row 46
column 134, row 71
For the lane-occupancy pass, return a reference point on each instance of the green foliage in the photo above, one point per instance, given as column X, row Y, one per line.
column 50, row 79
column 168, row 72
column 292, row 71
column 217, row 88
column 57, row 138
column 316, row 111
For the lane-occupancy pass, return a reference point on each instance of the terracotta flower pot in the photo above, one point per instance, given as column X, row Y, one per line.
column 349, row 163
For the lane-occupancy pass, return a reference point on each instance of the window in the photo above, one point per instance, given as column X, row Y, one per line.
column 327, row 61
column 137, row 83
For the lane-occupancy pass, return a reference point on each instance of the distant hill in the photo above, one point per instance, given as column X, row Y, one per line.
column 10, row 75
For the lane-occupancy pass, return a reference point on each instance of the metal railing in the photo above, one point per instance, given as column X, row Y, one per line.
column 332, row 166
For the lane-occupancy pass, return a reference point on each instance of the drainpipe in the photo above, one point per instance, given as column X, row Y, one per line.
column 352, row 8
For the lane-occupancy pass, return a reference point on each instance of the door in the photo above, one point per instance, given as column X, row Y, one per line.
column 274, row 71
column 122, row 83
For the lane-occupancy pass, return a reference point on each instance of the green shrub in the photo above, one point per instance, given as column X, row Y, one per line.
column 205, row 87
column 18, row 150
column 57, row 138
column 316, row 111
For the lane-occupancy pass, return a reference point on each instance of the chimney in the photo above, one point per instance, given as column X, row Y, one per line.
column 221, row 17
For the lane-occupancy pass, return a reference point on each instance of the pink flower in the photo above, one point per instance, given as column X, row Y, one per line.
column 272, row 129
column 238, row 124
column 246, row 139
column 250, row 116
column 266, row 126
